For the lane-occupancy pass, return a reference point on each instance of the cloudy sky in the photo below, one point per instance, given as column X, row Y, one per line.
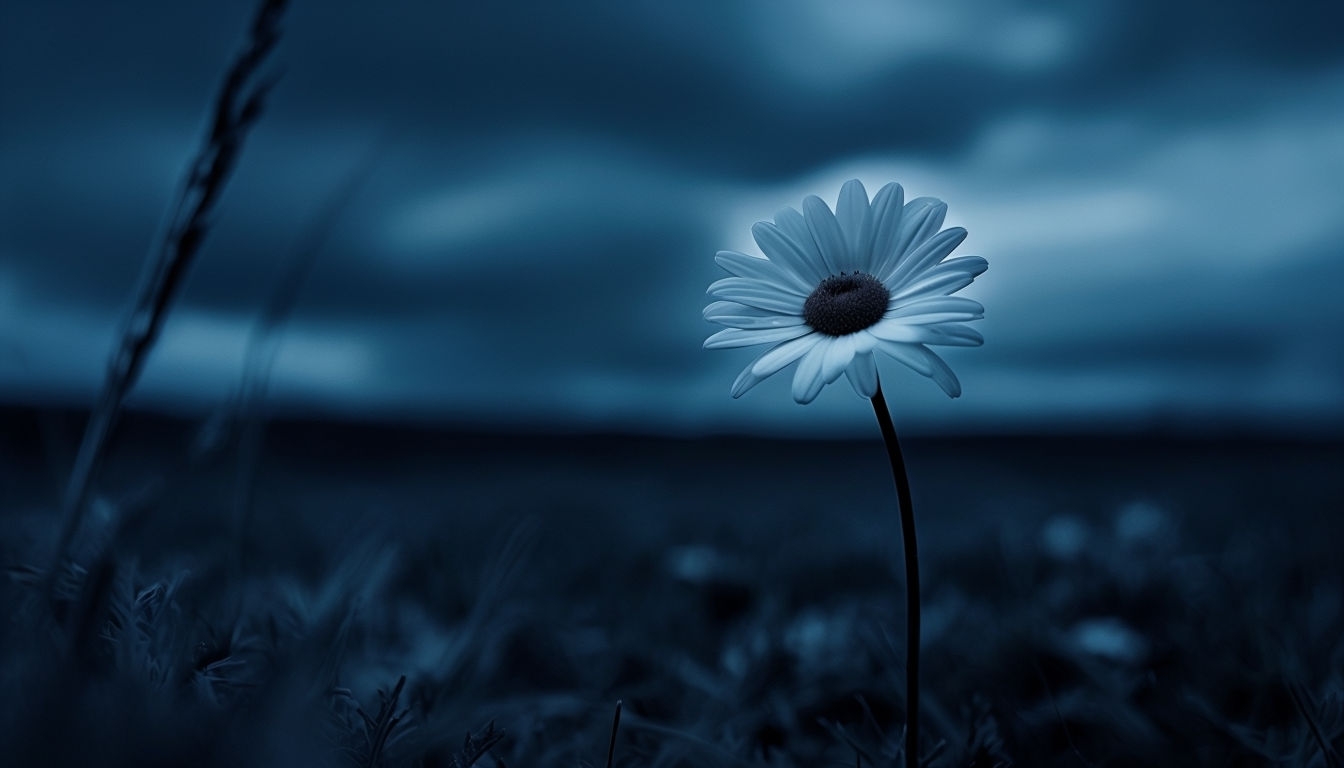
column 1156, row 185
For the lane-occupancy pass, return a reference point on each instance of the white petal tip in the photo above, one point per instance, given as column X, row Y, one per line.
column 813, row 205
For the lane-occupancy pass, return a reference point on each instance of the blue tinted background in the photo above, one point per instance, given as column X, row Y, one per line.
column 1156, row 186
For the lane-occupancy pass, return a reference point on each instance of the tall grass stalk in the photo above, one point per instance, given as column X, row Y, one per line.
column 237, row 106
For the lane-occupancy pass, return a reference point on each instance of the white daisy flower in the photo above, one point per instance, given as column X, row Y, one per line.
column 835, row 289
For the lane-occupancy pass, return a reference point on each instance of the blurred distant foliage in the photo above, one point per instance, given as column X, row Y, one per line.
column 398, row 615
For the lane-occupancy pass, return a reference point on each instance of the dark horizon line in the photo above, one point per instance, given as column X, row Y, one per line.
column 1113, row 429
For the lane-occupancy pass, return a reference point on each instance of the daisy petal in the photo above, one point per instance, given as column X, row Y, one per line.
column 856, row 224
column 756, row 294
column 791, row 254
column 955, row 335
column 864, row 342
column 938, row 309
column 920, row 219
column 754, row 374
column 753, row 282
column 942, row 279
column 826, row 232
column 837, row 358
column 807, row 381
column 736, row 282
column 736, row 315
column 792, row 224
column 922, row 360
column 745, row 381
column 945, row 334
column 748, row 321
column 742, row 265
column 908, row 355
column 925, row 255
column 942, row 374
column 932, row 318
column 862, row 374
column 738, row 337
column 887, row 205
column 774, row 360
column 900, row 332
column 717, row 309
column 974, row 266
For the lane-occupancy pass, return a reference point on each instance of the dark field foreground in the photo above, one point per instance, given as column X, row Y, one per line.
column 1103, row 602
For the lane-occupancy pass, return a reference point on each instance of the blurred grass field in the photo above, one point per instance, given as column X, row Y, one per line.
column 1088, row 601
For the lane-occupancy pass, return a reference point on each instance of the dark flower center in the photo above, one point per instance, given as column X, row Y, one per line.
column 844, row 304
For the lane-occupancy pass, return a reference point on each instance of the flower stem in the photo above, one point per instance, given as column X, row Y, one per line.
column 907, row 512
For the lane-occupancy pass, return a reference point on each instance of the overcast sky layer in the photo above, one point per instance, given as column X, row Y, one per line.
column 1156, row 185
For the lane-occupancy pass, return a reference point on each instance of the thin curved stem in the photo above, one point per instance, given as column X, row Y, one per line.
column 907, row 512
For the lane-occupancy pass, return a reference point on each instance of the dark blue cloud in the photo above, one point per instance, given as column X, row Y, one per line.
column 1155, row 186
